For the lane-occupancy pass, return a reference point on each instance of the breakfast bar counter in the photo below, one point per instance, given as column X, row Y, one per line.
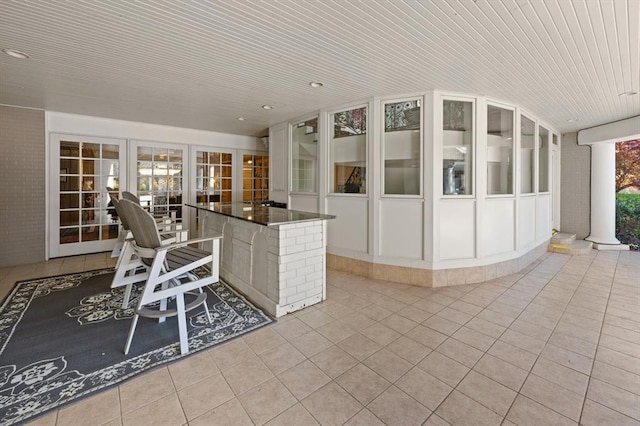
column 275, row 256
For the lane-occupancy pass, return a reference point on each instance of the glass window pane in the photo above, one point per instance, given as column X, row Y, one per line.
column 109, row 232
column 69, row 183
column 499, row 150
column 68, row 166
column 69, row 235
column 70, row 218
column 69, row 149
column 304, row 156
column 110, row 151
column 402, row 148
column 543, row 159
column 91, row 167
column 160, row 154
column 175, row 155
column 457, row 147
column 348, row 155
column 90, row 233
column 90, row 150
column 69, row 201
column 527, row 154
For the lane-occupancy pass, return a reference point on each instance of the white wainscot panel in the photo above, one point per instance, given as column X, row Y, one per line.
column 543, row 216
column 526, row 221
column 349, row 229
column 457, row 229
column 499, row 226
column 304, row 203
column 401, row 228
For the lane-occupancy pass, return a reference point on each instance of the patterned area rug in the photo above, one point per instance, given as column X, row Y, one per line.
column 62, row 338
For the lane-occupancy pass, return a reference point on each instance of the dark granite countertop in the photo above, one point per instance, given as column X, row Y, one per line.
column 262, row 215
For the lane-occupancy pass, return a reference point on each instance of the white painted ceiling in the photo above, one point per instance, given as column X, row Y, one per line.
column 202, row 64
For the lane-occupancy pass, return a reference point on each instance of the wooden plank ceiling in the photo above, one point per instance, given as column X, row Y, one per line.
column 202, row 64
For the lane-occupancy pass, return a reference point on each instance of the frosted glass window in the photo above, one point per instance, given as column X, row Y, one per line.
column 348, row 157
column 499, row 150
column 402, row 148
column 304, row 156
column 457, row 148
column 527, row 154
column 543, row 159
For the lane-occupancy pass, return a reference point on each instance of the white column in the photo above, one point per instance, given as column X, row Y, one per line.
column 603, row 194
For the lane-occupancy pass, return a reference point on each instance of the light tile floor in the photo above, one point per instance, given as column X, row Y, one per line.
column 557, row 344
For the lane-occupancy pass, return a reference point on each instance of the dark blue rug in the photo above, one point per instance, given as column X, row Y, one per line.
column 62, row 338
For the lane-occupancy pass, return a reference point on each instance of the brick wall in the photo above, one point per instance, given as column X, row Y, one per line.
column 22, row 191
column 575, row 193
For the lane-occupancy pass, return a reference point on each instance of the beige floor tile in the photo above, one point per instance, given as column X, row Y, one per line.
column 616, row 376
column 496, row 318
column 357, row 321
column 400, row 323
column 461, row 352
column 620, row 345
column 618, row 359
column 335, row 331
column 424, row 388
column 165, row 411
column 145, row 389
column 573, row 344
column 363, row 383
column 359, row 346
column 364, row 418
column 205, row 395
column 435, row 420
column 311, row 343
column 501, row 371
column 566, row 377
column 429, row 305
column 526, row 412
column 530, row 329
column 375, row 312
column 459, row 409
column 266, row 401
column 512, row 354
column 442, row 325
column 331, row 405
column 553, row 396
column 396, row 407
column 408, row 349
column 444, row 368
column 245, row 375
column 595, row 414
column 291, row 328
column 621, row 333
column 315, row 319
column 567, row 358
column 455, row 315
column 414, row 314
column 231, row 353
column 474, row 338
column 487, row 392
column 522, row 341
column 230, row 413
column 486, row 327
column 426, row 336
column 466, row 307
column 96, row 409
column 334, row 361
column 263, row 339
column 380, row 334
column 281, row 358
column 388, row 365
column 615, row 398
column 296, row 415
column 192, row 369
column 48, row 419
column 303, row 379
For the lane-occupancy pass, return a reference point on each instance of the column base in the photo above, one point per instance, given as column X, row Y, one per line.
column 611, row 247
column 602, row 240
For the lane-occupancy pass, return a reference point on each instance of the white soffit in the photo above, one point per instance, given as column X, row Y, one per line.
column 620, row 131
column 202, row 64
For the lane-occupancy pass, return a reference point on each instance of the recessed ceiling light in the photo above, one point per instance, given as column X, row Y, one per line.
column 316, row 84
column 240, row 118
column 572, row 120
column 267, row 106
column 15, row 54
column 629, row 93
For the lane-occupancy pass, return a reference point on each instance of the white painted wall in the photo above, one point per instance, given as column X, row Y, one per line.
column 348, row 233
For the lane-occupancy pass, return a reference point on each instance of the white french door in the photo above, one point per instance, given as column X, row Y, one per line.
column 84, row 170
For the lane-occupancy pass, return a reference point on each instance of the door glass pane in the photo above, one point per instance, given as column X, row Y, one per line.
column 348, row 145
column 160, row 180
column 457, row 148
column 87, row 171
column 543, row 159
column 499, row 150
column 210, row 172
column 304, row 156
column 255, row 182
column 402, row 148
column 527, row 154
